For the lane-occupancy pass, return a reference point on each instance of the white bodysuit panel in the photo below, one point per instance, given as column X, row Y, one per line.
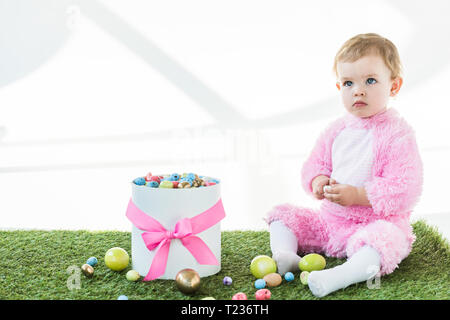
column 352, row 156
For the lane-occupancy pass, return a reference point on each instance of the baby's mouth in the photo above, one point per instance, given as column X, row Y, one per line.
column 359, row 104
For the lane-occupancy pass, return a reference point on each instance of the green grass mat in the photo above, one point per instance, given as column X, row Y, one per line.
column 33, row 265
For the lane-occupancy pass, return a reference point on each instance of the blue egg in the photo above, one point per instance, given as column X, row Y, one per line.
column 214, row 180
column 289, row 276
column 152, row 184
column 92, row 261
column 191, row 176
column 260, row 284
column 139, row 181
column 174, row 177
column 122, row 297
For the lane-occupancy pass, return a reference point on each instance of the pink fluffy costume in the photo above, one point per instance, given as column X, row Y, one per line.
column 379, row 153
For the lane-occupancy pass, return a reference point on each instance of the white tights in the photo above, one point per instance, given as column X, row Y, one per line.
column 362, row 266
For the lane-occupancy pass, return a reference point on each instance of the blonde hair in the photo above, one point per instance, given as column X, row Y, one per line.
column 366, row 44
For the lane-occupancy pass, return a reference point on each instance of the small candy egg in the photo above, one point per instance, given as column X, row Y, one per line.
column 191, row 176
column 188, row 280
column 289, row 276
column 92, row 261
column 227, row 281
column 312, row 262
column 122, row 297
column 263, row 294
column 215, row 181
column 148, row 176
column 239, row 296
column 87, row 270
column 260, row 283
column 155, row 178
column 272, row 279
column 152, row 184
column 184, row 184
column 174, row 177
column 304, row 277
column 117, row 259
column 166, row 184
column 139, row 181
column 175, row 184
column 132, row 275
column 262, row 265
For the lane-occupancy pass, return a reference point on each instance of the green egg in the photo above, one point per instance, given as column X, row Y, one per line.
column 166, row 184
column 262, row 265
column 133, row 275
column 312, row 262
column 304, row 277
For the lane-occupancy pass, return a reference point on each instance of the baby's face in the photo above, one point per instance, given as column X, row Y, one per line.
column 366, row 85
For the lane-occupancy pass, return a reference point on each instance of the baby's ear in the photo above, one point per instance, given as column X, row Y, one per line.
column 396, row 85
column 338, row 85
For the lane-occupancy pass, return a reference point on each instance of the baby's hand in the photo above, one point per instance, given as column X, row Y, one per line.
column 317, row 186
column 343, row 194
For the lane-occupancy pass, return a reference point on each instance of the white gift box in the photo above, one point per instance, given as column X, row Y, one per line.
column 168, row 206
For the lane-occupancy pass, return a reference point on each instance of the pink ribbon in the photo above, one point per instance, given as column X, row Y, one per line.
column 157, row 237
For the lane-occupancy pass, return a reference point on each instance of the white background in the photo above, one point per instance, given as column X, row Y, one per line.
column 96, row 93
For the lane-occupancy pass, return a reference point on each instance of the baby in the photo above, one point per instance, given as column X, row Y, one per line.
column 366, row 169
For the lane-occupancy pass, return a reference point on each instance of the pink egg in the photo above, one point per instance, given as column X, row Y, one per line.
column 239, row 296
column 155, row 178
column 175, row 184
column 263, row 294
column 147, row 177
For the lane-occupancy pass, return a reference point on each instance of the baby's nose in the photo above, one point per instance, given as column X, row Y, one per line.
column 359, row 92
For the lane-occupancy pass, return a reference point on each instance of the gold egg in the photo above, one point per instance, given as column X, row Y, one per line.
column 187, row 280
column 88, row 270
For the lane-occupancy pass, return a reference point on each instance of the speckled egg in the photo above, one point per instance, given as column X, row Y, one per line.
column 263, row 294
column 133, row 275
column 312, row 262
column 227, row 281
column 304, row 277
column 139, row 181
column 289, row 276
column 272, row 279
column 260, row 283
column 166, row 184
column 92, row 261
column 239, row 296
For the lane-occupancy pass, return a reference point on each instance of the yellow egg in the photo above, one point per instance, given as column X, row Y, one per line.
column 312, row 262
column 117, row 259
column 133, row 275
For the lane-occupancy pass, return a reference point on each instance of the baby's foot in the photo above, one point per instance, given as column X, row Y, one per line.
column 286, row 261
column 324, row 282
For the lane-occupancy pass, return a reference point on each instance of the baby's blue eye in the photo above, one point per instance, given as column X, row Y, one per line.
column 347, row 83
column 371, row 81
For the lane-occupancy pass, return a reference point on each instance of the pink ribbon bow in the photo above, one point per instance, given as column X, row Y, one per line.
column 157, row 237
